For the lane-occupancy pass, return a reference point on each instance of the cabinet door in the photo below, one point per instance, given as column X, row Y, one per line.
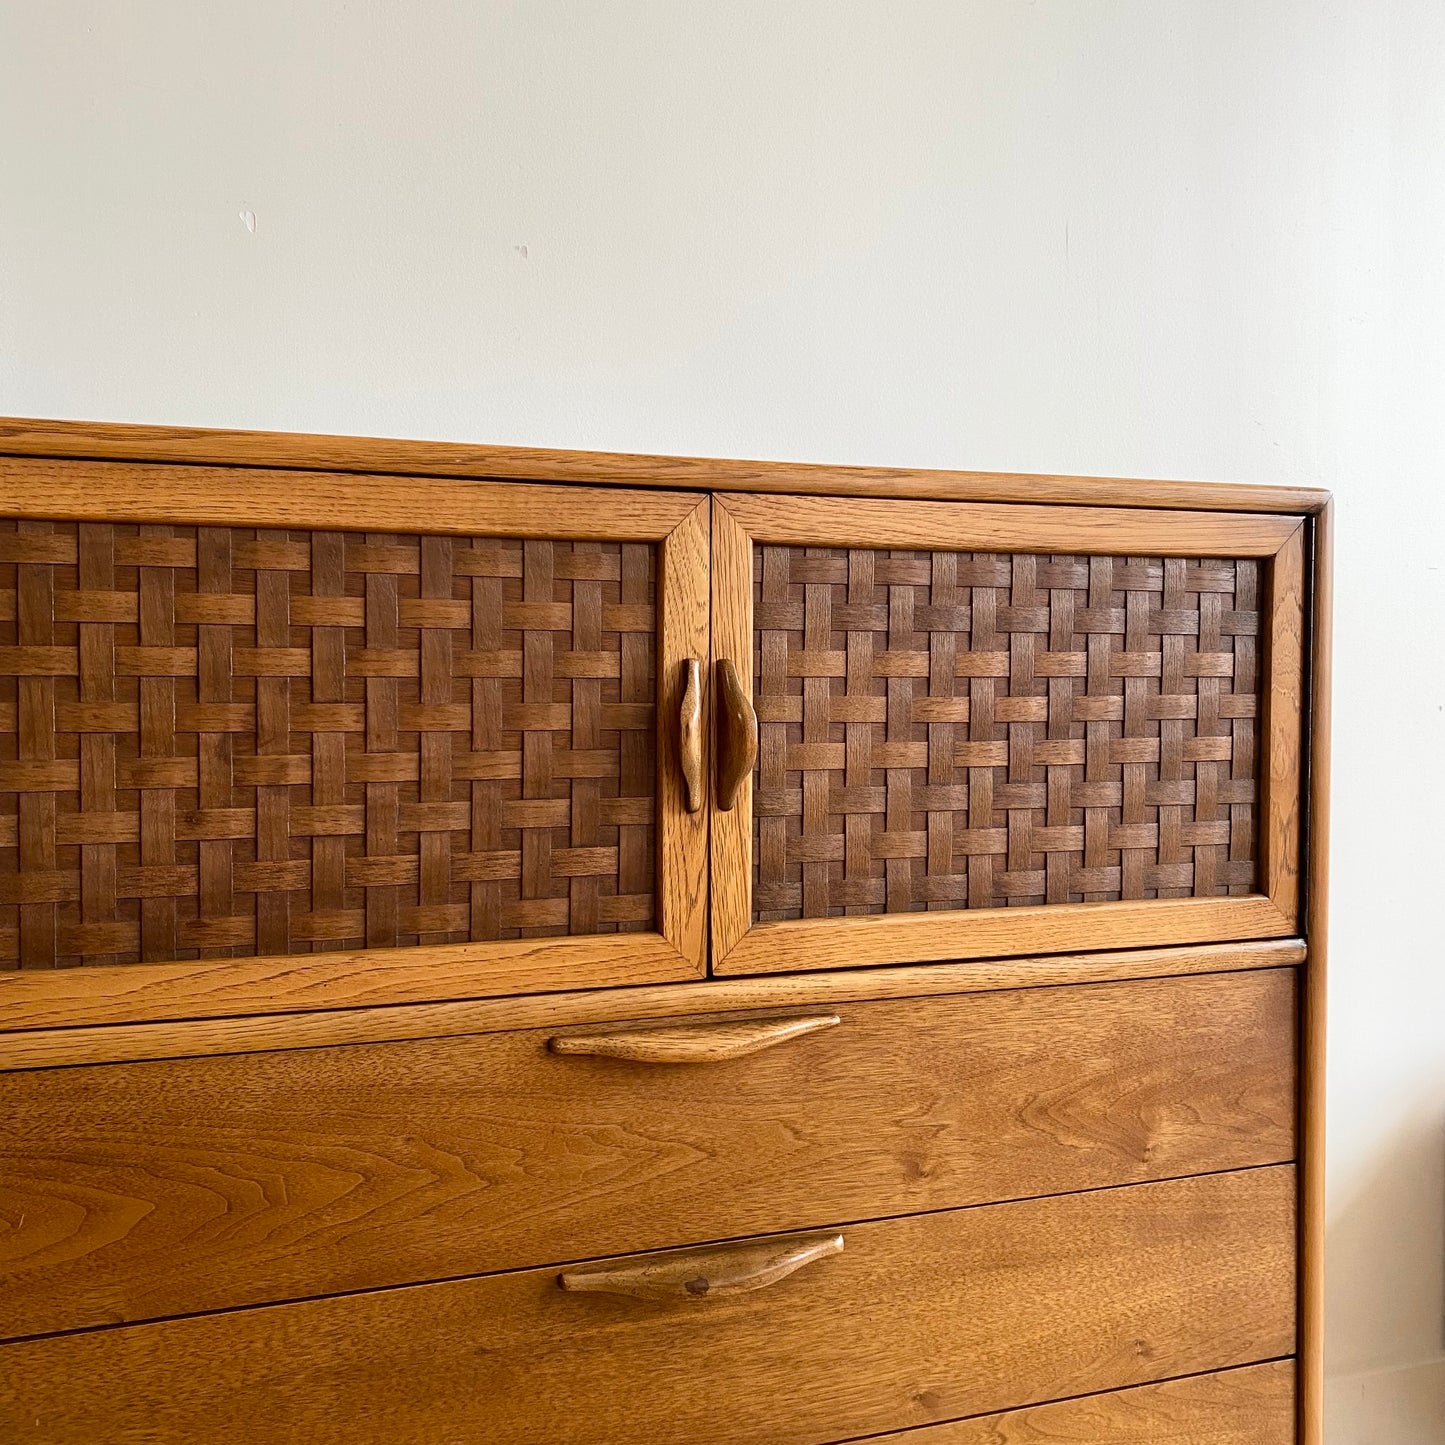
column 988, row 730
column 276, row 740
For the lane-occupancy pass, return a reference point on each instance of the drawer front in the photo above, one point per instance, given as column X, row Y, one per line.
column 918, row 1320
column 1250, row 1406
column 145, row 1190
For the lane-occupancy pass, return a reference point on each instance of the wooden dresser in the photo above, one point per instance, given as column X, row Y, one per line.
column 533, row 947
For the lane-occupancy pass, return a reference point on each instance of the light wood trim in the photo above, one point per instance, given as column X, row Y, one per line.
column 714, row 1042
column 355, row 502
column 118, row 441
column 1252, row 1405
column 681, row 834
column 822, row 943
column 40, row 1048
column 61, row 998
column 732, row 641
column 819, row 522
column 1314, row 995
column 704, row 1274
column 1281, row 732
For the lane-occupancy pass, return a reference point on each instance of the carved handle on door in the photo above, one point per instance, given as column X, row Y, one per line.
column 689, row 735
column 700, row 1043
column 697, row 1274
column 737, row 735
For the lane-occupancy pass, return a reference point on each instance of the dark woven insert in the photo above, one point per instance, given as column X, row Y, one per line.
column 970, row 730
column 219, row 742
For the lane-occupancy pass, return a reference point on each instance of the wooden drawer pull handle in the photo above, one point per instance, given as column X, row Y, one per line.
column 692, row 1043
column 705, row 1273
column 689, row 735
column 737, row 735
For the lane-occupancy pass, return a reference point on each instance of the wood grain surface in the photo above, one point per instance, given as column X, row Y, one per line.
column 683, row 834
column 35, row 437
column 1253, row 1405
column 948, row 931
column 39, row 1048
column 142, row 1190
column 713, row 1041
column 807, row 943
column 245, row 1175
column 1283, row 737
column 920, row 1319
column 242, row 744
column 732, row 641
column 86, row 491
column 1020, row 527
column 357, row 978
column 1315, row 996
column 704, row 1274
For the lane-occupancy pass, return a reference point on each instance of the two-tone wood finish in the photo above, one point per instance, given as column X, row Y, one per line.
column 740, row 945
column 674, row 947
column 315, row 1363
column 920, row 1319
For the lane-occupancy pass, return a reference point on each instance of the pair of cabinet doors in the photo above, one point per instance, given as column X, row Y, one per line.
column 285, row 740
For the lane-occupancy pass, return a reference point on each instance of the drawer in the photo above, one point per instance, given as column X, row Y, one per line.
column 1249, row 1406
column 917, row 1320
column 137, row 1191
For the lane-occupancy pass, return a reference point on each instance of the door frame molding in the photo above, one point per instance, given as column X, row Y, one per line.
column 677, row 522
column 741, row 946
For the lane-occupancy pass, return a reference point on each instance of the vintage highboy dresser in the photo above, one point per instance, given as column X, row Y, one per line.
column 529, row 947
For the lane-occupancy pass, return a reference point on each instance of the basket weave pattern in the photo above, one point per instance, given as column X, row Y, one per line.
column 221, row 742
column 971, row 730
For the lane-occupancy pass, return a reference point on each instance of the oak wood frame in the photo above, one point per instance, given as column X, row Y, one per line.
column 201, row 496
column 740, row 946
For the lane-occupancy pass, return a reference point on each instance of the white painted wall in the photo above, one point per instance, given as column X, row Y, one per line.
column 1183, row 238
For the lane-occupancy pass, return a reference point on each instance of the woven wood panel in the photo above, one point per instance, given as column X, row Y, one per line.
column 218, row 742
column 968, row 730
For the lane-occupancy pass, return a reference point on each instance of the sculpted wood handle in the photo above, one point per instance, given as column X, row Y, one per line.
column 737, row 735
column 702, row 1043
column 689, row 735
column 697, row 1274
